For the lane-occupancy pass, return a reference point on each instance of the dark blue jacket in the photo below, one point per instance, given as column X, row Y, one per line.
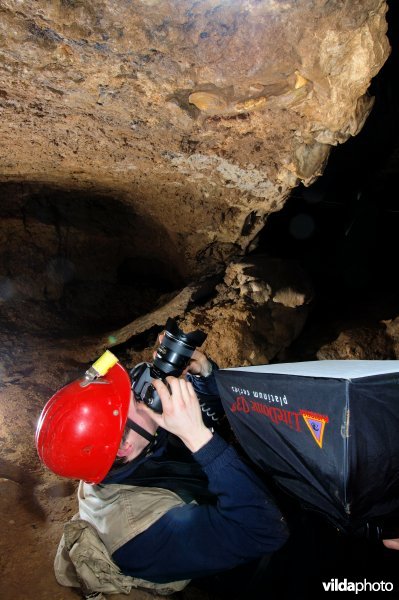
column 238, row 524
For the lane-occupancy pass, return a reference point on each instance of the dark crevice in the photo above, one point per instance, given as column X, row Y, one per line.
column 343, row 228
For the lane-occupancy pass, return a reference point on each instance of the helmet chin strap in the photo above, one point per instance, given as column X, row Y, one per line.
column 138, row 429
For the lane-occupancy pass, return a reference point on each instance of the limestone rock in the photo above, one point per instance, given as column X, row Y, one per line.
column 194, row 116
column 392, row 331
column 358, row 343
column 258, row 311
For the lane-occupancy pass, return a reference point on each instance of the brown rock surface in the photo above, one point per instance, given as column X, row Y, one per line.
column 199, row 117
column 142, row 142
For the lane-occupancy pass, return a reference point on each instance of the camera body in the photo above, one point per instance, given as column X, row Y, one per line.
column 172, row 357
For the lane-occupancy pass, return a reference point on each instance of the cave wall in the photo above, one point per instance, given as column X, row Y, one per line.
column 150, row 140
column 81, row 252
column 198, row 117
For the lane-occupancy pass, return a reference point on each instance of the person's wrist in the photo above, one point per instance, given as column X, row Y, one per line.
column 206, row 370
column 197, row 441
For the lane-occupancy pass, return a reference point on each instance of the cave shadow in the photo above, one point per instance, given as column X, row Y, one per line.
column 343, row 228
column 99, row 265
column 27, row 482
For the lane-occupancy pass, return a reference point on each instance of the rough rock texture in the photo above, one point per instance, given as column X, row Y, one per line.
column 359, row 343
column 143, row 145
column 260, row 308
column 392, row 331
column 198, row 117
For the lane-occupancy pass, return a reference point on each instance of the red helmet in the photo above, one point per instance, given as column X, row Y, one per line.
column 81, row 426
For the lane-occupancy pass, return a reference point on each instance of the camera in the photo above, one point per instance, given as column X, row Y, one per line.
column 172, row 357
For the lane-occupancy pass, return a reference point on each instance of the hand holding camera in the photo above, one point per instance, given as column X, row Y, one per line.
column 181, row 414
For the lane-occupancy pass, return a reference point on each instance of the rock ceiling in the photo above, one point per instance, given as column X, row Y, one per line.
column 198, row 118
column 201, row 116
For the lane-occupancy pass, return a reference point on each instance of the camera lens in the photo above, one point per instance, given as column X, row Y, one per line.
column 172, row 357
column 174, row 354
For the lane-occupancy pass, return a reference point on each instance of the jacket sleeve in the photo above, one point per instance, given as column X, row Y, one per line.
column 208, row 395
column 200, row 540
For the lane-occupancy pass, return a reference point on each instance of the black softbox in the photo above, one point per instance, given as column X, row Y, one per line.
column 326, row 431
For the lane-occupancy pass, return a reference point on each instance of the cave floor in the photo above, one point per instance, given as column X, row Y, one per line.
column 34, row 503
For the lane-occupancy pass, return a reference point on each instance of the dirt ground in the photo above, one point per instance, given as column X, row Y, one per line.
column 33, row 502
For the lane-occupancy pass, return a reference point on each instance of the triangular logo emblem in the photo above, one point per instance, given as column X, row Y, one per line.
column 316, row 424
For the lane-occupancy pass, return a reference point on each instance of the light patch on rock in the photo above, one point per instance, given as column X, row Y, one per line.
column 250, row 181
column 289, row 297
